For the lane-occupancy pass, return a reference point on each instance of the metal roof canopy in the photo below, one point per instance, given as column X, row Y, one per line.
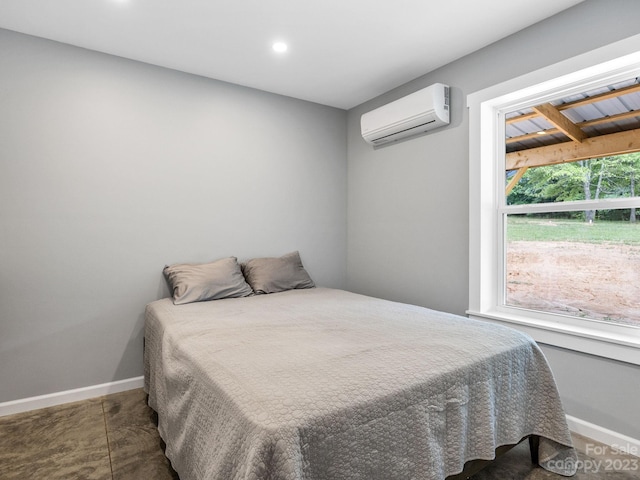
column 597, row 123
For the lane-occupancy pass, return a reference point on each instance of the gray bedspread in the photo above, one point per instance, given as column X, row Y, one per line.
column 324, row 384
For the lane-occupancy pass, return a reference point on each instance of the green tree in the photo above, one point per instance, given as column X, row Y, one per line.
column 606, row 177
column 625, row 172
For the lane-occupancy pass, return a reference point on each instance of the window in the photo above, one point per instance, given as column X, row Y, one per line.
column 553, row 247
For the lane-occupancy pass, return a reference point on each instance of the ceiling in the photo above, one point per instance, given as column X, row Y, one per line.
column 341, row 52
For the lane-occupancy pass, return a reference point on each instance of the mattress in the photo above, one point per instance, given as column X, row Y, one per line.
column 327, row 384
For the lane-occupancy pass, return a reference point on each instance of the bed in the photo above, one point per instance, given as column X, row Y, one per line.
column 322, row 384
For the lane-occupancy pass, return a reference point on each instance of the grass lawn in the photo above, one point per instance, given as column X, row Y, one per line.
column 562, row 230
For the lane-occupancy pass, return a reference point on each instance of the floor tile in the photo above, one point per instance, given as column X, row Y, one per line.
column 61, row 442
column 137, row 451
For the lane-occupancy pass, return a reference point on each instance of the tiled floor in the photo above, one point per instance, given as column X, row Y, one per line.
column 109, row 438
column 115, row 438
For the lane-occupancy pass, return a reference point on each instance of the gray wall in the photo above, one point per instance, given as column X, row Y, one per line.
column 599, row 390
column 111, row 169
column 408, row 212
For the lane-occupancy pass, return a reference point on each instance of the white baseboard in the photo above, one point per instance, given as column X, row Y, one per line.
column 58, row 398
column 605, row 436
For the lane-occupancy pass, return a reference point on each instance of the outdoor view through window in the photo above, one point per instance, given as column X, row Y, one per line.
column 571, row 215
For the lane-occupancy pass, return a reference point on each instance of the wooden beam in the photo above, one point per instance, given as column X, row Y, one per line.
column 618, row 92
column 588, row 123
column 521, row 118
column 594, row 147
column 528, row 136
column 561, row 122
column 516, row 178
column 610, row 118
column 583, row 101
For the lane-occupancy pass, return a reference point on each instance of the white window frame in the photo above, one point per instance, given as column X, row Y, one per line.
column 487, row 108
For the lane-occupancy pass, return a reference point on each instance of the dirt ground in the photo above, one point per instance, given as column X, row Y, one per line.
column 599, row 281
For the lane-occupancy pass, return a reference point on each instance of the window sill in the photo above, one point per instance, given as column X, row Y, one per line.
column 584, row 339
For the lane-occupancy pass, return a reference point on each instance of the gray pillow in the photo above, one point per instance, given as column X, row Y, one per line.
column 190, row 282
column 271, row 275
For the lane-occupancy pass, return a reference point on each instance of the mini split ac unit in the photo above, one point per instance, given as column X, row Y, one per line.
column 416, row 113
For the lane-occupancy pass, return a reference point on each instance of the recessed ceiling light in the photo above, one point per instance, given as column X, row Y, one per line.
column 279, row 47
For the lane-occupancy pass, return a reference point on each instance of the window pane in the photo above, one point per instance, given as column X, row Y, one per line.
column 607, row 177
column 558, row 264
